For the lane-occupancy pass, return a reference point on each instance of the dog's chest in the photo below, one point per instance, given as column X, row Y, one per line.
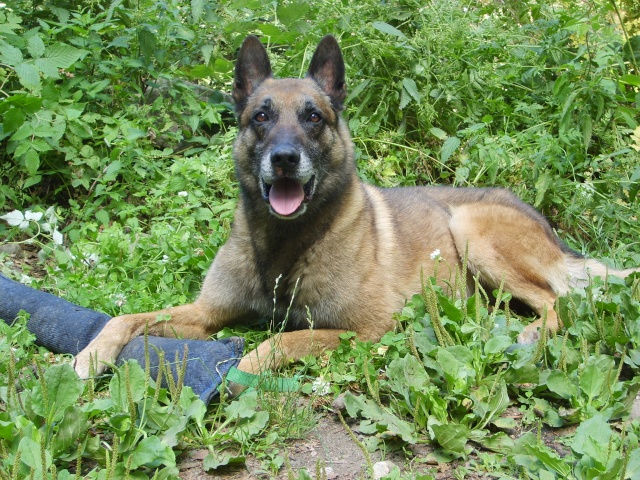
column 310, row 288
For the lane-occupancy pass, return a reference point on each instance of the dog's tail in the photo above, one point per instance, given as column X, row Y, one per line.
column 582, row 270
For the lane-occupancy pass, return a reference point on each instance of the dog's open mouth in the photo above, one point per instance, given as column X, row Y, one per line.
column 286, row 195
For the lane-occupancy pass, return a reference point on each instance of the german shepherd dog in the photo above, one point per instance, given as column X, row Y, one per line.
column 345, row 255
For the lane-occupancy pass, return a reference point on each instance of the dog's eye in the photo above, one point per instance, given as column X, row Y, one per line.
column 315, row 118
column 261, row 117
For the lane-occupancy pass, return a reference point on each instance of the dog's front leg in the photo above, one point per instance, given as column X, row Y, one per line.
column 187, row 321
column 285, row 347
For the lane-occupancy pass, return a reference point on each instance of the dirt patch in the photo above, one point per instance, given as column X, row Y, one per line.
column 328, row 446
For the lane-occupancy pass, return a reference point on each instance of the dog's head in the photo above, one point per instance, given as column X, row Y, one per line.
column 291, row 138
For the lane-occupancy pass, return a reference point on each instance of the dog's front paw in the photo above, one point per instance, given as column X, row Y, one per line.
column 88, row 362
column 82, row 364
column 529, row 336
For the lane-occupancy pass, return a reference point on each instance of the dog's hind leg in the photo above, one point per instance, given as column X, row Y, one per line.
column 507, row 245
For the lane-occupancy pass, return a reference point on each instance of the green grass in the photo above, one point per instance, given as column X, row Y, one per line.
column 117, row 171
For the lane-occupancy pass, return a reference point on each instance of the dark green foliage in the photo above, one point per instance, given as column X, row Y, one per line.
column 115, row 162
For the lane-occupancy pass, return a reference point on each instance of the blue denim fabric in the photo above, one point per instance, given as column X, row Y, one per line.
column 63, row 327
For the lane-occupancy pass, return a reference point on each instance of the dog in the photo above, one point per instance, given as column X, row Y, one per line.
column 311, row 242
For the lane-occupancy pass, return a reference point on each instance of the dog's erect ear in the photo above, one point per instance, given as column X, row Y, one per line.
column 252, row 68
column 327, row 69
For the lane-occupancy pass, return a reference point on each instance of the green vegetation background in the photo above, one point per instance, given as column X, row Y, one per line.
column 116, row 168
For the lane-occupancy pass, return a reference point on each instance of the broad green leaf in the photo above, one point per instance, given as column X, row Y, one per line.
column 31, row 161
column 197, row 8
column 497, row 344
column 388, row 29
column 215, row 460
column 112, row 171
column 455, row 371
column 370, row 410
column 398, row 427
column 152, row 453
column 451, row 437
column 247, row 428
column 102, row 216
column 449, row 147
column 561, row 385
column 63, row 388
column 72, row 427
column 633, row 467
column 462, row 353
column 243, row 407
column 542, row 185
column 592, row 381
column 120, row 389
column 499, row 442
column 405, row 99
column 291, row 13
column 592, row 438
column 630, row 80
column 10, row 55
column 30, row 454
column 35, row 46
column 6, row 426
column 148, row 44
column 407, row 372
column 47, row 67
column 409, row 84
column 439, row 133
column 26, row 103
column 13, row 119
column 63, row 56
column 529, row 445
column 28, row 75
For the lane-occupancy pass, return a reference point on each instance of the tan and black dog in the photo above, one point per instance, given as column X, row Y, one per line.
column 346, row 254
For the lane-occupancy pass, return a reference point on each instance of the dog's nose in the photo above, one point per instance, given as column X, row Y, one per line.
column 285, row 156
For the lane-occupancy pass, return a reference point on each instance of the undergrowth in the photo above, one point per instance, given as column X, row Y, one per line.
column 116, row 168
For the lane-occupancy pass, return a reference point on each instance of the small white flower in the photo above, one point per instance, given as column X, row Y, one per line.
column 165, row 259
column 91, row 259
column 435, row 254
column 183, row 194
column 25, row 279
column 320, row 386
column 119, row 299
column 586, row 190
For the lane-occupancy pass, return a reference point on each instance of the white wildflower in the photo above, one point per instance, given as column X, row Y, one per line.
column 119, row 299
column 91, row 259
column 183, row 194
column 586, row 190
column 320, row 386
column 435, row 255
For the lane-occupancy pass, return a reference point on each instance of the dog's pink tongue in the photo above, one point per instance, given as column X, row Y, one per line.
column 286, row 196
